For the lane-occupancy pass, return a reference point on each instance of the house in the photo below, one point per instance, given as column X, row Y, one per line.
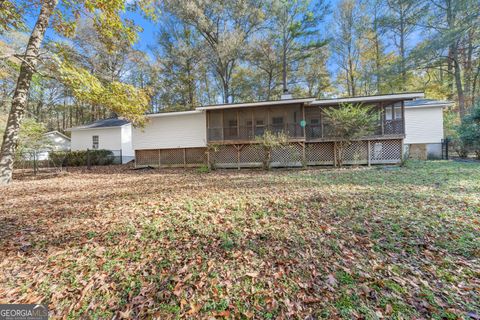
column 225, row 134
column 424, row 128
column 56, row 141
column 114, row 134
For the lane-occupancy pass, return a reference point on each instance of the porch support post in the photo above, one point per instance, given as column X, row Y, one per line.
column 238, row 126
column 208, row 125
column 321, row 121
column 368, row 153
column 401, row 151
column 253, row 124
column 382, row 113
column 304, row 127
column 403, row 119
column 268, row 118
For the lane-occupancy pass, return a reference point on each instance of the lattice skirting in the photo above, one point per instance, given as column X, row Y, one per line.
column 171, row 158
column 293, row 155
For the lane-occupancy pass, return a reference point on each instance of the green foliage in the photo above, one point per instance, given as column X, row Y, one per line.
column 469, row 131
column 32, row 137
column 121, row 98
column 203, row 169
column 350, row 122
column 80, row 158
column 10, row 16
column 269, row 141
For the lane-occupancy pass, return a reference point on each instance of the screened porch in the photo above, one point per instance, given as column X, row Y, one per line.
column 239, row 125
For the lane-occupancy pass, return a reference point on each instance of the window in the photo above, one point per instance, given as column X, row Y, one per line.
column 277, row 120
column 94, row 142
column 259, row 123
column 315, row 121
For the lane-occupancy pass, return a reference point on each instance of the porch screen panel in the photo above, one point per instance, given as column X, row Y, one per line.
column 393, row 118
column 313, row 119
column 230, row 124
column 277, row 120
column 327, row 127
column 260, row 121
column 215, row 125
column 245, row 119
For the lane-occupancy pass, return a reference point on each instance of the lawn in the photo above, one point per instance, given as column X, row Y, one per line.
column 371, row 243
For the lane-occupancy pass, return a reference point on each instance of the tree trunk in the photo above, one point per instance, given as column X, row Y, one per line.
column 458, row 84
column 352, row 78
column 284, row 58
column 457, row 73
column 19, row 101
column 402, row 53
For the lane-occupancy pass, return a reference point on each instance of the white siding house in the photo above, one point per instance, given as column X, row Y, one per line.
column 424, row 128
column 172, row 130
column 110, row 134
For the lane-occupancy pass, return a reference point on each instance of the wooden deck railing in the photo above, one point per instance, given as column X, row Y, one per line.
column 248, row 133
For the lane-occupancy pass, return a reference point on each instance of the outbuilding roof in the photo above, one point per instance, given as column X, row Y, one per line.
column 104, row 123
column 58, row 133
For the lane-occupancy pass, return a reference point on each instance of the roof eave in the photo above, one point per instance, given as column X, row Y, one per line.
column 436, row 105
column 59, row 133
column 256, row 104
column 95, row 128
column 170, row 114
column 399, row 96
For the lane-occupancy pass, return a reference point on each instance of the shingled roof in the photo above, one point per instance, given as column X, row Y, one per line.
column 104, row 123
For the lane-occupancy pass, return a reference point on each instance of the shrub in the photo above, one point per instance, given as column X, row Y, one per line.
column 268, row 142
column 469, row 132
column 350, row 122
column 80, row 158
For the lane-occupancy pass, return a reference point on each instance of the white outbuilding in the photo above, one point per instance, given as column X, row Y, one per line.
column 114, row 134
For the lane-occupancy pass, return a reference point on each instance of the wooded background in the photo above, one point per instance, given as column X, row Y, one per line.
column 207, row 52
